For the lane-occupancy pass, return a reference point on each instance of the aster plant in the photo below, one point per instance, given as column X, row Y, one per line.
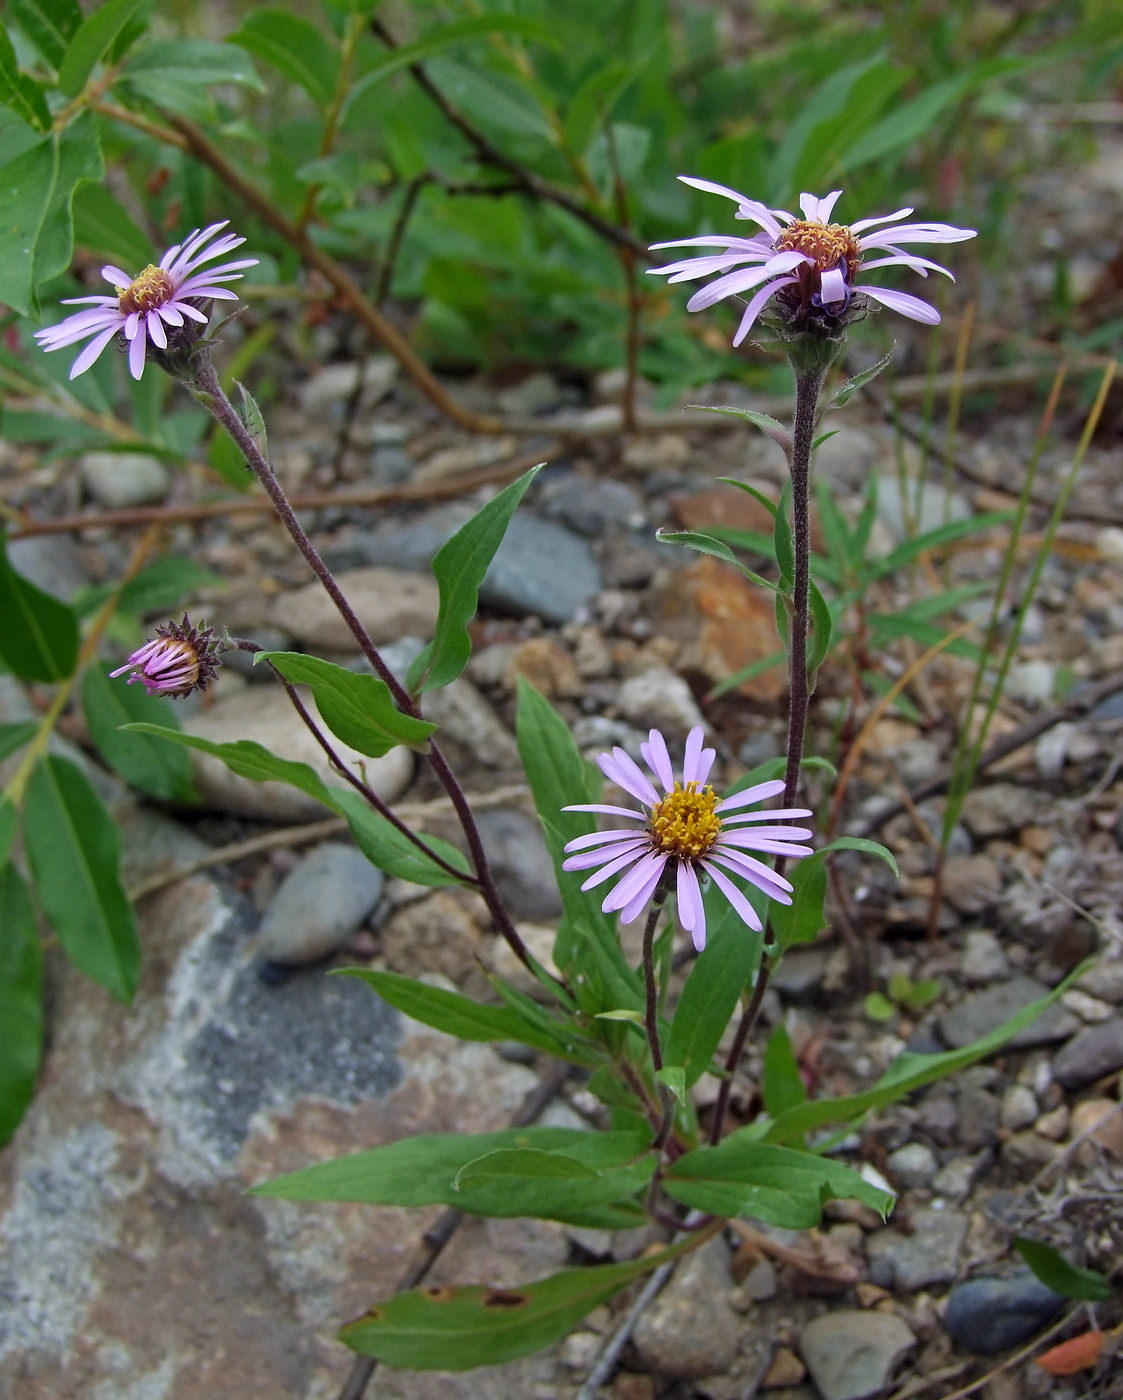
column 723, row 882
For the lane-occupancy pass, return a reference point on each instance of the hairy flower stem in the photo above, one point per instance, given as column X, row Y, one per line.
column 205, row 387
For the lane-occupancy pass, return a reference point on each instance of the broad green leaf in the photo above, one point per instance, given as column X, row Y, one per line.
column 159, row 588
column 520, row 1163
column 866, row 847
column 19, row 90
column 1055, row 1272
column 780, row 1185
column 74, row 850
column 358, row 709
column 498, row 100
column 36, row 193
column 909, row 1072
column 90, row 43
column 459, row 568
column 782, row 1084
column 9, row 825
column 225, row 457
column 385, row 846
column 39, row 635
column 49, row 24
column 158, row 769
column 907, row 122
column 455, row 1329
column 105, row 228
column 438, row 40
column 189, row 62
column 460, row 1016
column 707, row 544
column 845, row 392
column 819, row 643
column 14, row 736
column 421, row 1171
column 21, row 1001
column 674, row 1078
column 296, row 48
column 803, row 919
column 713, row 989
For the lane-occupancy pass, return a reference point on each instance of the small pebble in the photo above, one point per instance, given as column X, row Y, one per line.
column 319, row 905
column 983, row 958
column 1019, row 1108
column 1092, row 1054
column 956, row 1177
column 988, row 1315
column 1053, row 1125
column 912, row 1165
column 1090, row 1009
column 786, row 1369
column 1103, row 1119
column 852, row 1354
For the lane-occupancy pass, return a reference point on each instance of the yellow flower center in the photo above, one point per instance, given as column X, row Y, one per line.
column 685, row 822
column 828, row 244
column 152, row 288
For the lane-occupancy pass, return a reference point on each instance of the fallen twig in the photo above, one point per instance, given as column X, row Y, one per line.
column 606, row 1362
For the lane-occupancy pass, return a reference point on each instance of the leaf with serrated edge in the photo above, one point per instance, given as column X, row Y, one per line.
column 845, row 392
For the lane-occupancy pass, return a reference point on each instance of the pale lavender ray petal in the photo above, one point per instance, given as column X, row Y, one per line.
column 617, row 852
column 90, row 354
column 635, row 906
column 224, row 245
column 763, row 876
column 605, row 809
column 216, row 293
column 641, row 785
column 741, row 281
column 598, row 838
column 767, row 847
column 757, row 243
column 625, row 858
column 658, row 759
column 690, row 757
column 921, row 265
column 132, row 323
column 171, row 314
column 917, row 233
column 763, row 216
column 89, row 301
column 705, row 763
column 156, row 332
column 757, row 305
column 864, row 224
column 735, row 896
column 832, row 286
column 116, row 276
column 756, row 793
column 809, row 204
column 770, row 833
column 826, row 205
column 769, row 814
column 694, row 268
column 689, row 895
column 634, row 881
column 910, row 306
column 74, row 329
column 185, row 310
column 136, row 353
column 191, row 245
column 169, row 257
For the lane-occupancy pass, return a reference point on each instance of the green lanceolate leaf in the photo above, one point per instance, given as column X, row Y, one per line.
column 254, row 420
column 49, row 24
column 782, row 1084
column 18, row 90
column 14, row 736
column 459, row 568
column 780, row 1185
column 707, row 544
column 803, row 919
column 1055, row 1272
column 455, row 1329
column 520, row 1164
column 74, row 850
column 782, row 543
column 713, row 989
column 674, row 1078
column 907, row 1073
column 9, row 825
column 146, row 763
column 296, row 48
column 103, row 226
column 21, row 1001
column 385, row 846
column 190, row 61
column 357, row 709
column 38, row 635
column 768, row 425
column 90, row 43
column 845, row 392
column 421, row 1171
column 460, row 1016
column 822, row 626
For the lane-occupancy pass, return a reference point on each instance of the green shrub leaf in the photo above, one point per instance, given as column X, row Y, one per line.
column 21, row 1001
column 161, row 770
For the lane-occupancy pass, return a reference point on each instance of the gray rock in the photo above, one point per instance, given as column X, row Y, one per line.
column 918, row 761
column 1111, row 708
column 408, row 543
column 971, row 883
column 118, row 480
column 268, row 639
column 801, row 970
column 853, row 1353
column 521, row 863
column 935, row 507
column 389, row 465
column 1032, row 682
column 464, row 715
column 999, row 809
column 537, row 393
column 983, row 959
column 978, row 1117
column 390, row 603
column 956, row 1177
column 847, row 457
column 50, row 562
column 982, row 1012
column 329, row 389
column 988, row 1315
column 591, row 505
column 1024, row 1154
column 1020, row 1108
column 691, row 1330
column 930, row 1255
column 759, row 747
column 912, row 1165
column 594, row 734
column 659, row 697
column 541, row 568
column 1105, row 980
column 1093, row 1053
column 264, row 715
column 319, row 905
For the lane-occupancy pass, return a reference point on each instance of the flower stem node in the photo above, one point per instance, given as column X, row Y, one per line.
column 685, row 831
column 179, row 659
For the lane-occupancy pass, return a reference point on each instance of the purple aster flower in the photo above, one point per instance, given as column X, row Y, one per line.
column 806, row 263
column 687, row 824
column 146, row 305
column 179, row 659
